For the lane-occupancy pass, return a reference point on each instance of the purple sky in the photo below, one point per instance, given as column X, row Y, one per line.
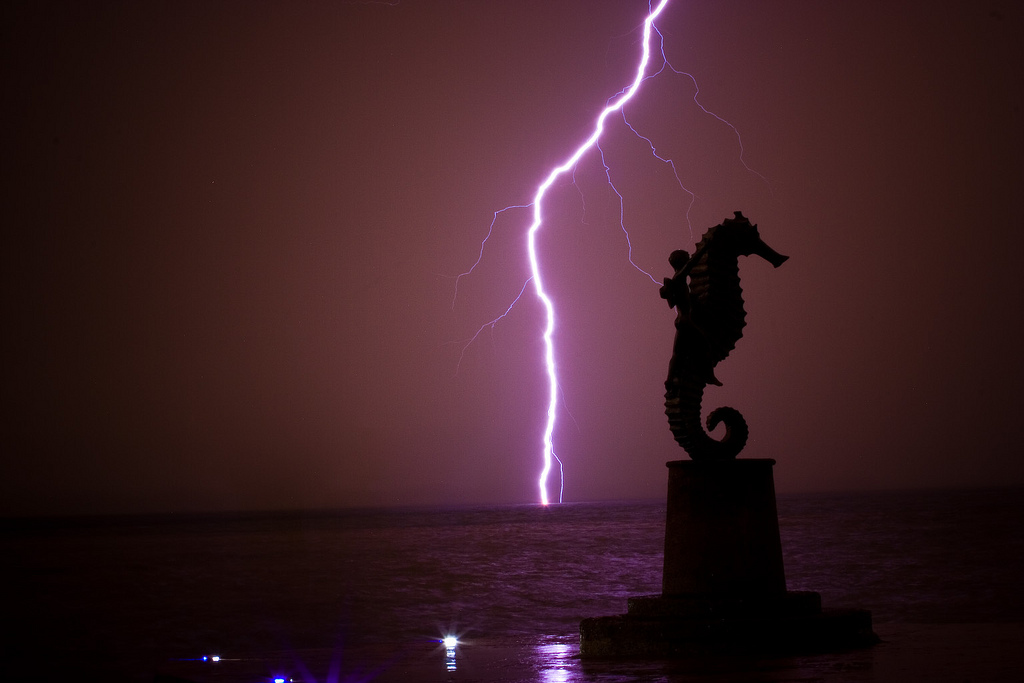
column 232, row 230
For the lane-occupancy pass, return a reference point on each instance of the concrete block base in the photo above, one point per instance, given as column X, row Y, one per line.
column 681, row 626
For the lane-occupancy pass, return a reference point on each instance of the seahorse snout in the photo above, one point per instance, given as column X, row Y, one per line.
column 768, row 254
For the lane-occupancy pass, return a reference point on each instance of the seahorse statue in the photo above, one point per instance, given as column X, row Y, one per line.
column 709, row 321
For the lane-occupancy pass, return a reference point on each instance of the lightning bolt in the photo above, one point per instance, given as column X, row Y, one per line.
column 531, row 247
column 613, row 105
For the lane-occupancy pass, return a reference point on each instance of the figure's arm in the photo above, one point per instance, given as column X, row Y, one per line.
column 668, row 293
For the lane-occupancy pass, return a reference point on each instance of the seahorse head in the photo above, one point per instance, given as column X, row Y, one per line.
column 740, row 237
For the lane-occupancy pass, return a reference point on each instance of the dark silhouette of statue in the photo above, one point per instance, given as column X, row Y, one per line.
column 709, row 322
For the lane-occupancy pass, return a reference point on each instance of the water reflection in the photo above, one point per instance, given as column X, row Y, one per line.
column 449, row 659
column 555, row 659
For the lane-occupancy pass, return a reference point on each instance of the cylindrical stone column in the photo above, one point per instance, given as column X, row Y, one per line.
column 722, row 530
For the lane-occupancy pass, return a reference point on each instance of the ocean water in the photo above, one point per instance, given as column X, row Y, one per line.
column 357, row 595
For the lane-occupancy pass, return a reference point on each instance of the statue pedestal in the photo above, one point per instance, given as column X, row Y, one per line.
column 722, row 530
column 723, row 586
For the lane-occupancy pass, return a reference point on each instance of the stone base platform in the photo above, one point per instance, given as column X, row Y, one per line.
column 659, row 626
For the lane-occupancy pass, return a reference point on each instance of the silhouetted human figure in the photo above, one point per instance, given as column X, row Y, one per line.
column 690, row 348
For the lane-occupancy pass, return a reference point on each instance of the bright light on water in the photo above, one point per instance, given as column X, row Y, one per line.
column 449, row 643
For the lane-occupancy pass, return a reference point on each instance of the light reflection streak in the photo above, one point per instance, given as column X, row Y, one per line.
column 555, row 661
